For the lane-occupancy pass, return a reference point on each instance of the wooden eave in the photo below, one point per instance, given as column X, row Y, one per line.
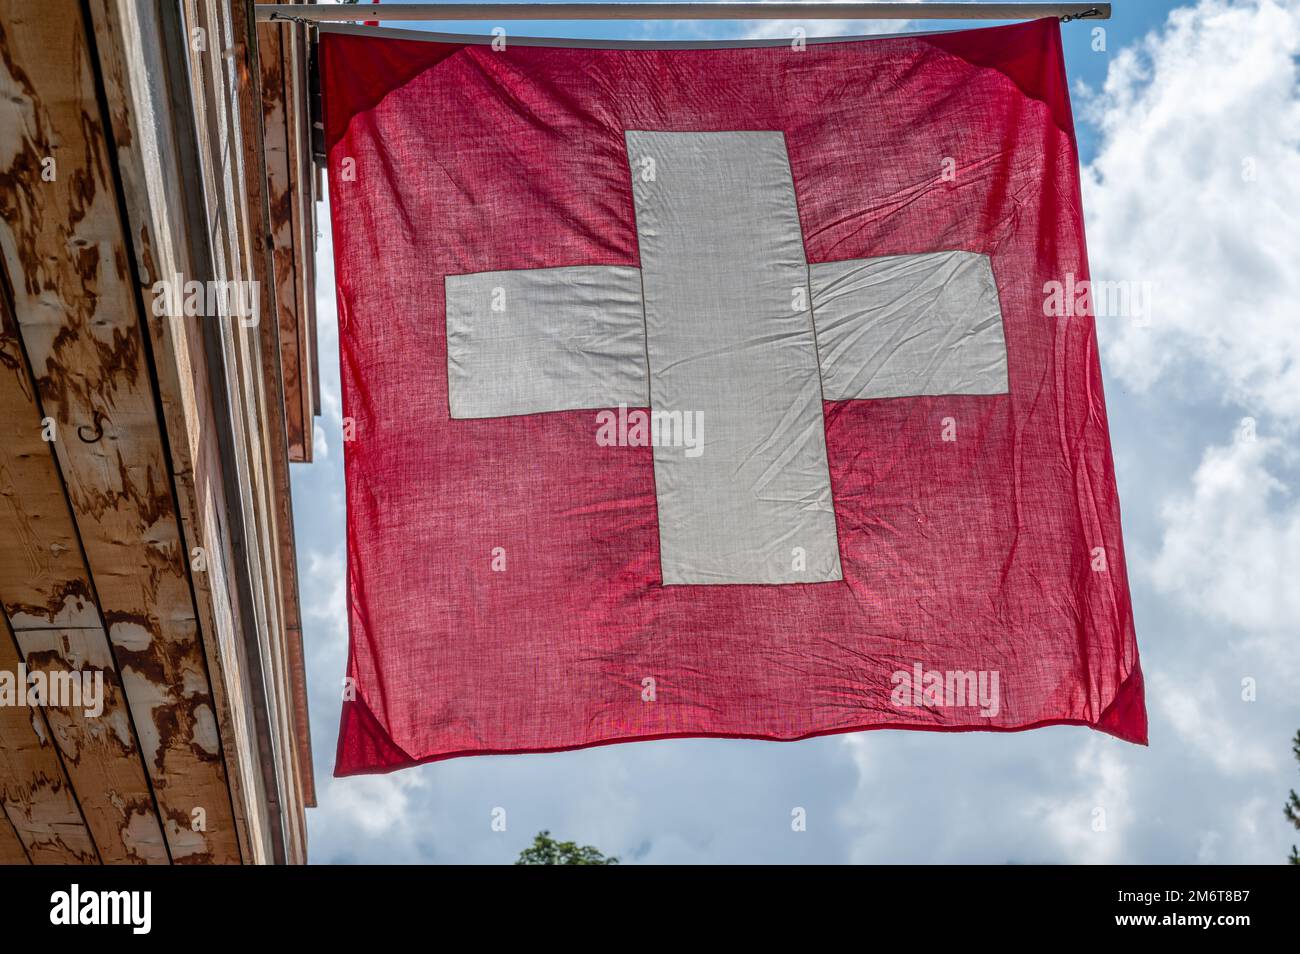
column 145, row 509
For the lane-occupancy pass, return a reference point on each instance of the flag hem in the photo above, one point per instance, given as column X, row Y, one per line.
column 1123, row 732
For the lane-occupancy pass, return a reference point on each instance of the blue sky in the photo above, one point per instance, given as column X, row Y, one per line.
column 1189, row 125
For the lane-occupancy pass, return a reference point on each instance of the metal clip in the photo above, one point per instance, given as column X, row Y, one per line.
column 277, row 15
column 1093, row 12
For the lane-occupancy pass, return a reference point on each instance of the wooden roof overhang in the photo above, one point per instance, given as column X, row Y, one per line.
column 146, row 525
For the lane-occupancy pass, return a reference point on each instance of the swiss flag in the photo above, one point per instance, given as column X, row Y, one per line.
column 718, row 392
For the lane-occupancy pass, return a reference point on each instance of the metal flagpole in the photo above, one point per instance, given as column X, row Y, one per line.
column 698, row 10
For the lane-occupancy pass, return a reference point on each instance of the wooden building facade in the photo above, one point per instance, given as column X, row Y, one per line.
column 157, row 378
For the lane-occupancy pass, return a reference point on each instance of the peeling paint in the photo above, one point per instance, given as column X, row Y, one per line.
column 188, row 846
column 195, row 684
column 70, row 607
column 205, row 730
column 131, row 636
column 146, row 697
column 143, row 837
column 120, row 723
column 38, row 726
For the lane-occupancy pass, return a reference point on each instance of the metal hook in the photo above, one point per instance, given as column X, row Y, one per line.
column 98, row 434
column 277, row 15
column 1094, row 12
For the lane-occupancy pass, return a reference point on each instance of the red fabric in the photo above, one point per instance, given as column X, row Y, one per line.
column 973, row 555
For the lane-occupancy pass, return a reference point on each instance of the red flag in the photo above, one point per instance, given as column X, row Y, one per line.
column 745, row 392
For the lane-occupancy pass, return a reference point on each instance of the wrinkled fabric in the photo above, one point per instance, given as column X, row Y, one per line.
column 507, row 589
column 580, row 343
column 909, row 326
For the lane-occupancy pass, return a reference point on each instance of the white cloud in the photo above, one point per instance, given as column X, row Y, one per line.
column 1232, row 544
column 1196, row 187
column 377, row 804
column 1198, row 714
column 327, row 574
column 320, row 448
column 1250, row 838
column 1088, row 820
column 1185, row 117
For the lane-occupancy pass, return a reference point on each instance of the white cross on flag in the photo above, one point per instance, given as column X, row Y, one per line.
column 718, row 392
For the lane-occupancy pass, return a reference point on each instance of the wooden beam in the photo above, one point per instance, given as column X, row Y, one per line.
column 37, row 796
column 302, row 187
column 79, row 314
column 11, row 849
column 148, row 104
column 286, row 122
column 264, row 391
column 48, row 601
column 100, row 751
column 273, row 45
column 190, row 124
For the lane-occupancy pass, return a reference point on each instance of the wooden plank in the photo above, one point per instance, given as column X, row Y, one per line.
column 280, row 54
column 301, row 183
column 302, row 180
column 229, row 168
column 131, row 45
column 260, row 369
column 78, row 313
column 228, row 110
column 11, row 849
column 282, row 200
column 37, row 796
column 99, row 751
column 44, row 586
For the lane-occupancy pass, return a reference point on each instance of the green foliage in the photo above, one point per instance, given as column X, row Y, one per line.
column 1292, row 808
column 545, row 850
